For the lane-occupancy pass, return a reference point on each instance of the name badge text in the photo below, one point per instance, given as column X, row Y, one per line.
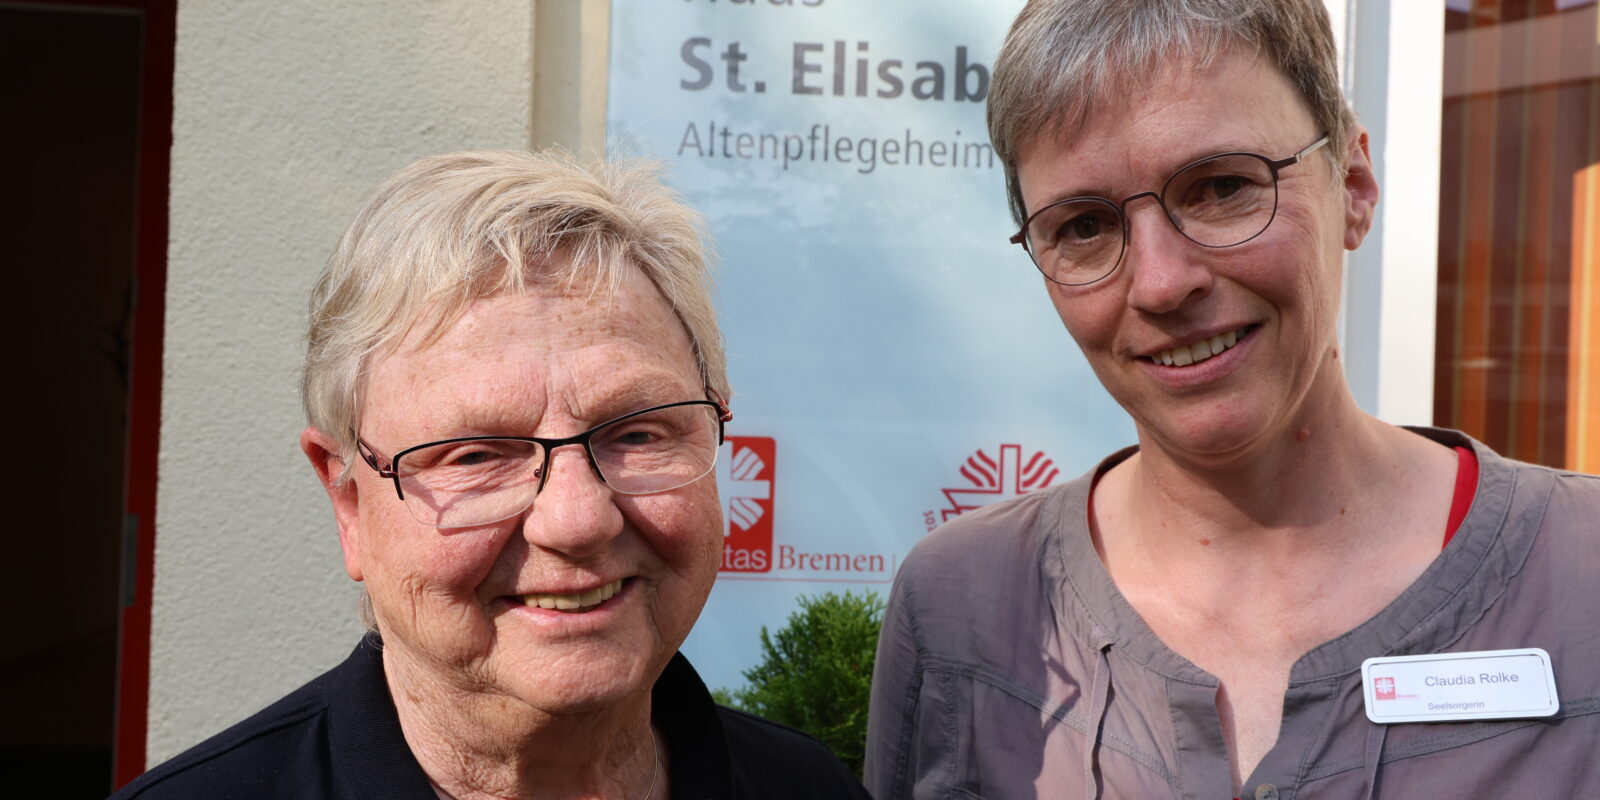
column 1450, row 687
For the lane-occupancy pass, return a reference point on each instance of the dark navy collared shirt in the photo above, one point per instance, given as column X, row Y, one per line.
column 338, row 738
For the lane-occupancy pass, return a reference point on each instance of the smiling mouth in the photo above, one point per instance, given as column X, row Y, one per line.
column 575, row 603
column 1191, row 354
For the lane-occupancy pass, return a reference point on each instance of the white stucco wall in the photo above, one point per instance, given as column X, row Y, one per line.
column 286, row 114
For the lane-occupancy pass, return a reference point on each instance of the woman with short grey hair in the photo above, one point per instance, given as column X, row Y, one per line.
column 1273, row 594
column 516, row 393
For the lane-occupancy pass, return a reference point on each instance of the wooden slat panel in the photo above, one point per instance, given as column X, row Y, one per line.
column 1535, row 294
column 1583, row 388
column 1452, row 247
column 1518, row 344
column 1472, row 357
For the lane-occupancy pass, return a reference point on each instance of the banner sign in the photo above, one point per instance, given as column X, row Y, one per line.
column 895, row 361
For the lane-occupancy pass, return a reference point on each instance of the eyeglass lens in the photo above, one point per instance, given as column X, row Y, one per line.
column 1218, row 202
column 479, row 481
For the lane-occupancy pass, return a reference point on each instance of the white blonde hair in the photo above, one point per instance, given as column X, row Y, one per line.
column 455, row 228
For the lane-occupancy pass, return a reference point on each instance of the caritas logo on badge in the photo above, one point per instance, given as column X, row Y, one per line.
column 990, row 479
column 1383, row 688
column 745, row 469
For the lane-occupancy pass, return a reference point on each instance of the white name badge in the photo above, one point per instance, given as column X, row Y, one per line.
column 1450, row 687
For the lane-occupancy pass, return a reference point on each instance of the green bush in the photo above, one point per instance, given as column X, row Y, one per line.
column 815, row 674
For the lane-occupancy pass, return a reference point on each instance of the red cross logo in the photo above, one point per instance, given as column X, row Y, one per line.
column 998, row 478
column 1384, row 688
column 745, row 469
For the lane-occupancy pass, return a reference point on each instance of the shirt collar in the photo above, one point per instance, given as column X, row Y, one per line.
column 1436, row 609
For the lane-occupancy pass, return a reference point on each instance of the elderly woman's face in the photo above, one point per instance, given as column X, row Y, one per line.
column 451, row 602
column 1276, row 295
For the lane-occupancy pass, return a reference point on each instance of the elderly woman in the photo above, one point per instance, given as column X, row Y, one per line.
column 516, row 391
column 1191, row 618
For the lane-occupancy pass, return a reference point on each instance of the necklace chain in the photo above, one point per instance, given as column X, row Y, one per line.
column 655, row 767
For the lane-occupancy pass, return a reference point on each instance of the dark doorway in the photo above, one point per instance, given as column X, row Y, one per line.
column 72, row 83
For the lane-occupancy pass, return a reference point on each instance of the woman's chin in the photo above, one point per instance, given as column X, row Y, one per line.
column 1209, row 438
column 573, row 680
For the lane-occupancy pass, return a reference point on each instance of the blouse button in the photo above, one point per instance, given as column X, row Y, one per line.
column 1266, row 791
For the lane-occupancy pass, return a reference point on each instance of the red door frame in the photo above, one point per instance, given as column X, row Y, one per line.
column 144, row 413
column 159, row 29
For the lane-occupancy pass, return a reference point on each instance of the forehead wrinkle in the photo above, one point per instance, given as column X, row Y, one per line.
column 1164, row 139
column 486, row 413
column 605, row 400
column 458, row 408
column 583, row 398
column 558, row 363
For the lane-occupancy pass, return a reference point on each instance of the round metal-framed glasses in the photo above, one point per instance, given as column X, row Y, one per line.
column 1218, row 201
column 478, row 480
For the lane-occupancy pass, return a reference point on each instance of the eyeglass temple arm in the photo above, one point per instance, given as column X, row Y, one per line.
column 1297, row 157
column 723, row 413
column 369, row 454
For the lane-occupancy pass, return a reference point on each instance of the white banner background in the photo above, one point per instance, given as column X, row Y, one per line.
column 881, row 330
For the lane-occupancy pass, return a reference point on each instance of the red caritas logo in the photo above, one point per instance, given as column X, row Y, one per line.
column 1383, row 688
column 745, row 469
column 992, row 479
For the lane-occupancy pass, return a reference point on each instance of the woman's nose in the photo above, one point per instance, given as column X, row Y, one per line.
column 575, row 512
column 1165, row 269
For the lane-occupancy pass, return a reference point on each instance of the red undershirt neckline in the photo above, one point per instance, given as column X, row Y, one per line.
column 1460, row 499
column 1466, row 489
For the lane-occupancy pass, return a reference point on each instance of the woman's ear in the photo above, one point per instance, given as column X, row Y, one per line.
column 1360, row 190
column 323, row 451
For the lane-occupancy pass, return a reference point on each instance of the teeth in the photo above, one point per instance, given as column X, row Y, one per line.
column 573, row 602
column 1197, row 352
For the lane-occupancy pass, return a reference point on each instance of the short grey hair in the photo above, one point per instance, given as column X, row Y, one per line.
column 451, row 229
column 1064, row 57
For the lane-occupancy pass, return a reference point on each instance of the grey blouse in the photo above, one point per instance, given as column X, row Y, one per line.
column 1011, row 667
